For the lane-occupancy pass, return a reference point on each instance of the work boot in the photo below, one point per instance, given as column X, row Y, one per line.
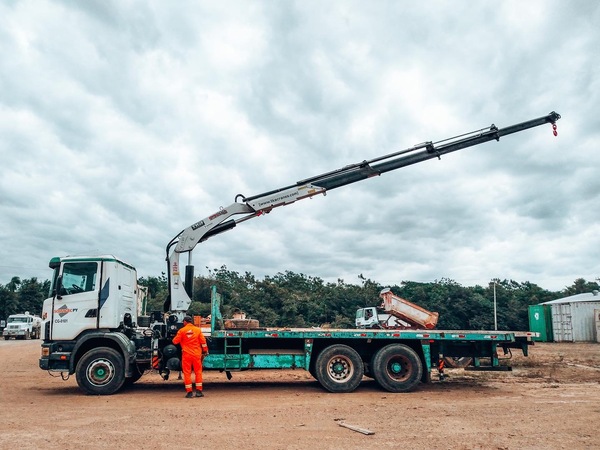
column 189, row 395
column 199, row 394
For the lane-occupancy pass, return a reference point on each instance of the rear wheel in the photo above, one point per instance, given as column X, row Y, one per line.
column 101, row 371
column 339, row 368
column 397, row 368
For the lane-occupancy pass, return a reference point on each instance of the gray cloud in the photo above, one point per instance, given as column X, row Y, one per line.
column 124, row 122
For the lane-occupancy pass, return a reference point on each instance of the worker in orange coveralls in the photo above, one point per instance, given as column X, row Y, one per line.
column 193, row 349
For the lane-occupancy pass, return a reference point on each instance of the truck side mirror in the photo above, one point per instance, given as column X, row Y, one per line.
column 57, row 288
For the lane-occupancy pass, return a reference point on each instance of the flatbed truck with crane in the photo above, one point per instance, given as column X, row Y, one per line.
column 93, row 327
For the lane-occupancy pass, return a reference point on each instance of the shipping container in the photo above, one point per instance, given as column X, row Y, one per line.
column 574, row 322
column 540, row 321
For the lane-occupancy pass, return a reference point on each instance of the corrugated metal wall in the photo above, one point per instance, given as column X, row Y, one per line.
column 597, row 323
column 574, row 322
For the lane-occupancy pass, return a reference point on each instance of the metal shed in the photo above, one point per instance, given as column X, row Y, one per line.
column 573, row 317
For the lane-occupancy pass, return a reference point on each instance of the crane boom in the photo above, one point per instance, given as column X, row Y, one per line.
column 249, row 207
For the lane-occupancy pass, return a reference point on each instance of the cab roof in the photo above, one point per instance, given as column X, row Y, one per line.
column 55, row 261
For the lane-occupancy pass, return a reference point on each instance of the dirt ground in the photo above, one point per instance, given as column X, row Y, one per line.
column 550, row 400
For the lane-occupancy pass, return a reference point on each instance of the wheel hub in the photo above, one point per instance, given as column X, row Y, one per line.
column 100, row 372
column 340, row 369
column 396, row 367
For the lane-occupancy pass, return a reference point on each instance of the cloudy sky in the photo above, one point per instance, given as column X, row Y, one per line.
column 123, row 122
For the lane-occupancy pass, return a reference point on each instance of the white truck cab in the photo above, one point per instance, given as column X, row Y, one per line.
column 22, row 326
column 89, row 293
column 372, row 317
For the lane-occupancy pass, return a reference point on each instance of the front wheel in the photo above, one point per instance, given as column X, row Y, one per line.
column 397, row 368
column 101, row 371
column 339, row 368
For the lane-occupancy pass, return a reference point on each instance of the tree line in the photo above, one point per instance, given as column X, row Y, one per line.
column 19, row 296
column 289, row 299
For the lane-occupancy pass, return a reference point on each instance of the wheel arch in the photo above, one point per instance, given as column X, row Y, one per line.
column 117, row 341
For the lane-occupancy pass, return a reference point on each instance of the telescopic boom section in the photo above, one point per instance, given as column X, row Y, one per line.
column 249, row 207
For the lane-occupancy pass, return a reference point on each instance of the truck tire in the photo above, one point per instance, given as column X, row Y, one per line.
column 339, row 368
column 101, row 371
column 397, row 368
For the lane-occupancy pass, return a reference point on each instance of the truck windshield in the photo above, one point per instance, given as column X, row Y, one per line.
column 17, row 320
column 78, row 277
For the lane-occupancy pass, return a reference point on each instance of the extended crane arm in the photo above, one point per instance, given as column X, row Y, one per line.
column 249, row 207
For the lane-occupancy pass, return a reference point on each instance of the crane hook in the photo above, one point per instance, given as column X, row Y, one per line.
column 554, row 130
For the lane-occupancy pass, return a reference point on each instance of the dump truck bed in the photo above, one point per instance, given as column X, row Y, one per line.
column 406, row 311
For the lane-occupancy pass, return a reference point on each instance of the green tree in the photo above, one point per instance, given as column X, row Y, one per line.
column 157, row 291
column 13, row 284
column 580, row 286
column 9, row 303
column 31, row 295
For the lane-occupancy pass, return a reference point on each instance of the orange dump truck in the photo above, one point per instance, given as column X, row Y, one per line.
column 396, row 312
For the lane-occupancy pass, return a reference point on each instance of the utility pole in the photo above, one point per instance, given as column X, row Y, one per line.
column 495, row 309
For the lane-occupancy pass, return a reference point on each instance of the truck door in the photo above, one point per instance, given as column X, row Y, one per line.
column 74, row 307
column 366, row 317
